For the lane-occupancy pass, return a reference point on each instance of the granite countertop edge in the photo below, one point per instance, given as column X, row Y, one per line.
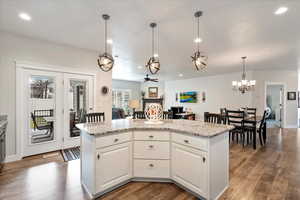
column 117, row 131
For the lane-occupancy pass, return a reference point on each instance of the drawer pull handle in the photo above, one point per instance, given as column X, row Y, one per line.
column 186, row 141
column 151, row 165
column 151, row 146
column 98, row 156
column 116, row 140
column 151, row 136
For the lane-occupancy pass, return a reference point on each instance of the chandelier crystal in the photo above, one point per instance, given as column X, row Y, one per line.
column 105, row 61
column 198, row 59
column 243, row 85
column 153, row 63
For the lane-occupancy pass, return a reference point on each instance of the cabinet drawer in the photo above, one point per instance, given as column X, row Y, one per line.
column 151, row 150
column 105, row 141
column 191, row 141
column 152, row 168
column 152, row 135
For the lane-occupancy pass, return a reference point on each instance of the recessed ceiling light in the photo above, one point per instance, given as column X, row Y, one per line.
column 198, row 40
column 140, row 67
column 109, row 41
column 180, row 75
column 25, row 16
column 155, row 55
column 281, row 11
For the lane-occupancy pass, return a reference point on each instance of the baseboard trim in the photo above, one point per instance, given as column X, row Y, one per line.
column 12, row 158
column 219, row 195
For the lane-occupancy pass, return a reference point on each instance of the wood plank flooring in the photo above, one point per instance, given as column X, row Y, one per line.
column 272, row 173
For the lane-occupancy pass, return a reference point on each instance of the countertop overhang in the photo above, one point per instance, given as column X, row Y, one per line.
column 194, row 128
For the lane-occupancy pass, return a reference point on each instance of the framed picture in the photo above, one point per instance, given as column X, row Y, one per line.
column 188, row 97
column 291, row 96
column 153, row 92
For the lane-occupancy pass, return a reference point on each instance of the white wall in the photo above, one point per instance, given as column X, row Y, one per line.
column 19, row 48
column 134, row 86
column 290, row 79
column 218, row 91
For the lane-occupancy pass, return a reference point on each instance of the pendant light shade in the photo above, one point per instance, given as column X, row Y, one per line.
column 198, row 59
column 105, row 61
column 153, row 63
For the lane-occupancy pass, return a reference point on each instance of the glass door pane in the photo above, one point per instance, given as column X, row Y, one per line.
column 42, row 109
column 77, row 97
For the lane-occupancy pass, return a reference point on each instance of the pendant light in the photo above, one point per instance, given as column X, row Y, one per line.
column 105, row 61
column 199, row 60
column 153, row 64
column 244, row 85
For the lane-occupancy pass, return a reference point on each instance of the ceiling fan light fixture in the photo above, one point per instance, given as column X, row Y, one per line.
column 105, row 60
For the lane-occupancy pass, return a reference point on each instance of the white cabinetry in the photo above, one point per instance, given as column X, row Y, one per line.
column 113, row 166
column 189, row 168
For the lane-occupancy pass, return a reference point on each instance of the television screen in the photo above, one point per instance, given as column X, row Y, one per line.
column 188, row 97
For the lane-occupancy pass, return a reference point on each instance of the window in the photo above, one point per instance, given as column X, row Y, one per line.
column 121, row 98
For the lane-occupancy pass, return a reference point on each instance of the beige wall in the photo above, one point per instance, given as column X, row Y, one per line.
column 16, row 48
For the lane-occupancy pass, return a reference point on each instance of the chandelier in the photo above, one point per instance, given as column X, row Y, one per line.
column 199, row 60
column 105, row 61
column 244, row 85
column 153, row 63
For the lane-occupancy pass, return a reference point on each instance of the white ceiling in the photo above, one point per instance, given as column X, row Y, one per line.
column 229, row 29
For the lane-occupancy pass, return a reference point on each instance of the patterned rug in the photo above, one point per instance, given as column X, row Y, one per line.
column 71, row 154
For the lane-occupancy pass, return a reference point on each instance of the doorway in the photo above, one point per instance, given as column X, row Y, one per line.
column 275, row 105
column 49, row 106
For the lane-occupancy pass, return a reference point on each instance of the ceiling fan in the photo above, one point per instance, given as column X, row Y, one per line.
column 147, row 78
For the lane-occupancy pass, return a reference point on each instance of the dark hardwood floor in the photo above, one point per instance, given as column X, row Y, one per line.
column 271, row 172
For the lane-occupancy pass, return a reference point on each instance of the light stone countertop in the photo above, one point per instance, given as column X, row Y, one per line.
column 194, row 128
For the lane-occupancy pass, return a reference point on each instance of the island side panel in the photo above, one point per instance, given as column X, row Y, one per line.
column 219, row 165
column 87, row 160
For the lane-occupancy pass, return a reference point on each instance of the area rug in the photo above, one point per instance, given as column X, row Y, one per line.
column 71, row 154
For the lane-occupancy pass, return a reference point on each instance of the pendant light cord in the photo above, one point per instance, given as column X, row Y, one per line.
column 244, row 69
column 105, row 40
column 198, row 34
column 153, row 41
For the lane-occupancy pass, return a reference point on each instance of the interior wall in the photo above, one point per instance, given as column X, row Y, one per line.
column 218, row 91
column 286, row 77
column 18, row 48
column 134, row 86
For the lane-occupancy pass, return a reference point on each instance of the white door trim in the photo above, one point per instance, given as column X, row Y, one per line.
column 20, row 67
column 284, row 99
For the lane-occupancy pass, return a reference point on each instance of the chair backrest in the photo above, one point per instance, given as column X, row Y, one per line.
column 139, row 115
column 95, row 117
column 167, row 115
column 235, row 117
column 263, row 120
column 251, row 112
column 212, row 118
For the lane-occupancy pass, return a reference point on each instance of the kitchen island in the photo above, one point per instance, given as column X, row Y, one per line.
column 192, row 154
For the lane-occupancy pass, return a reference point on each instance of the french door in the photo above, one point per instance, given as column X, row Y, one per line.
column 78, row 100
column 52, row 104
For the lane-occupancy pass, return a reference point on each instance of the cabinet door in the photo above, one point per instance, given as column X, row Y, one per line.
column 189, row 168
column 113, row 166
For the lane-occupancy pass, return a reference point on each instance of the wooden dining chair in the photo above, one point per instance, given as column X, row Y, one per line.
column 236, row 118
column 95, row 117
column 167, row 115
column 212, row 118
column 139, row 115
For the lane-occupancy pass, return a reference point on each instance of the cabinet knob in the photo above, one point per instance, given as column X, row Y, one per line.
column 151, row 146
column 186, row 141
column 98, row 156
column 151, row 136
column 151, row 165
column 204, row 159
column 116, row 140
